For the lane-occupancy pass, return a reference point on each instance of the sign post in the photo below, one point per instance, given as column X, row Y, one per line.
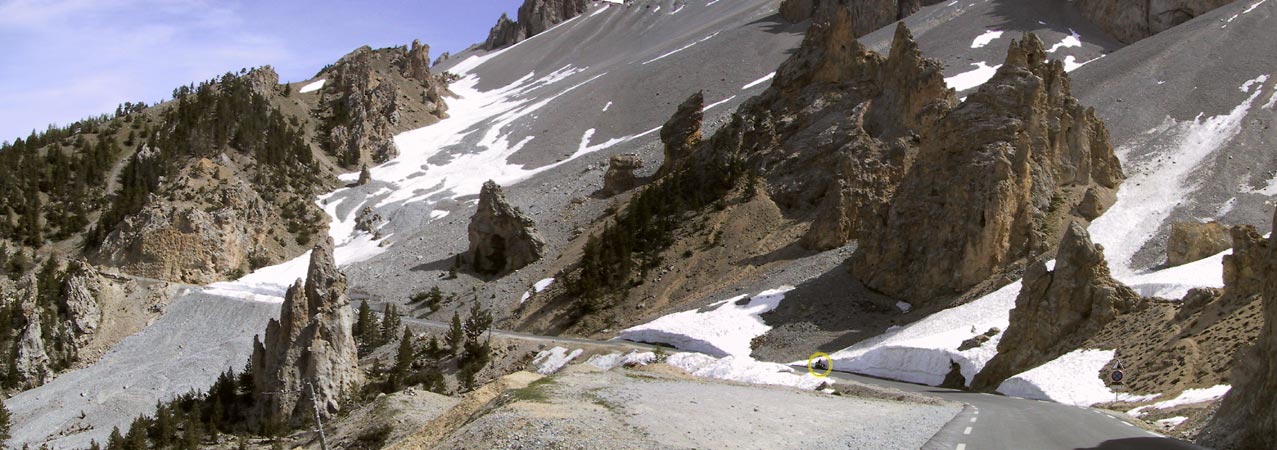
column 1115, row 377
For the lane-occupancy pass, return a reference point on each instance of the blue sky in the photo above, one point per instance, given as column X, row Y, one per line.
column 62, row 60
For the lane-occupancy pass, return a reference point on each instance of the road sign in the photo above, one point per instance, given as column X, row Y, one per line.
column 1117, row 376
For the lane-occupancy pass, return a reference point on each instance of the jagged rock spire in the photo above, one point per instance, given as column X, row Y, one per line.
column 312, row 344
column 682, row 132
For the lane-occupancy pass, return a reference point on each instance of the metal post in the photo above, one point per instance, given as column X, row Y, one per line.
column 314, row 402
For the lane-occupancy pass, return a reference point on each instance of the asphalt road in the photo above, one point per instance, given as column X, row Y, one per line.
column 997, row 422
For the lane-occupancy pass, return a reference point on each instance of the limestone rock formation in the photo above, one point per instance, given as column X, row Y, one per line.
column 1130, row 21
column 177, row 240
column 1191, row 241
column 620, row 174
column 1244, row 269
column 1094, row 203
column 868, row 15
column 1247, row 416
column 263, row 80
column 1058, row 309
column 682, row 132
column 986, row 188
column 80, row 291
column 365, row 176
column 502, row 239
column 368, row 221
column 535, row 16
column 368, row 96
column 30, row 359
column 311, row 346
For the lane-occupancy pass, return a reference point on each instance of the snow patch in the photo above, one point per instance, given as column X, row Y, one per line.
column 312, row 87
column 923, row 352
column 1072, row 379
column 759, row 81
column 1159, row 181
column 904, row 306
column 1072, row 40
column 550, row 361
column 984, row 39
column 1171, row 423
column 685, row 47
column 720, row 329
column 1188, row 397
column 613, row 360
column 536, row 287
column 1071, row 64
column 974, row 78
column 743, row 369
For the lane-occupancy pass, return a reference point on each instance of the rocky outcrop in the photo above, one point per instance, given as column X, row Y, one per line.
column 1244, row 269
column 1094, row 203
column 1058, row 309
column 535, row 16
column 30, row 360
column 263, row 80
column 502, row 239
column 80, row 291
column 363, row 111
column 308, row 356
column 868, row 15
column 365, row 176
column 620, row 174
column 1130, row 21
column 1247, row 416
column 370, row 95
column 201, row 242
column 368, row 221
column 1191, row 241
column 682, row 132
column 992, row 184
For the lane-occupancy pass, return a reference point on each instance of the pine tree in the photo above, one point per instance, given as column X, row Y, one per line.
column 403, row 361
column 389, row 324
column 456, row 335
column 116, row 441
column 361, row 323
column 4, row 423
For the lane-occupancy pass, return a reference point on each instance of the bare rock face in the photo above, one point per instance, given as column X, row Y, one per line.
column 363, row 111
column 984, row 189
column 1058, row 309
column 80, row 291
column 620, row 174
column 502, row 239
column 417, row 67
column 682, row 132
column 1244, row 270
column 535, row 16
column 1191, row 241
column 198, row 243
column 263, row 80
column 868, row 15
column 30, row 360
column 368, row 221
column 1247, row 416
column 311, row 346
column 1130, row 21
column 1094, row 203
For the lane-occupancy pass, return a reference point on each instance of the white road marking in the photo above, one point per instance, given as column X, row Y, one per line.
column 967, row 431
column 1128, row 424
column 974, row 418
column 962, row 447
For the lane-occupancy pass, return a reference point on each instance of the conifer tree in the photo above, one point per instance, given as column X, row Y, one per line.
column 403, row 360
column 4, row 423
column 456, row 335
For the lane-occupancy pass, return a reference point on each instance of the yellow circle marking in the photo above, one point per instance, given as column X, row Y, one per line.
column 812, row 360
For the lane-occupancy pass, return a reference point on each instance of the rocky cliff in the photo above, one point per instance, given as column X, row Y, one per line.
column 995, row 181
column 502, row 238
column 370, row 95
column 206, row 225
column 535, row 16
column 1247, row 416
column 1058, row 309
column 1130, row 21
column 49, row 315
column 682, row 132
column 868, row 15
column 1191, row 241
column 308, row 356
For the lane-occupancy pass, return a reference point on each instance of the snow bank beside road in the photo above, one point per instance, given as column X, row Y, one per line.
column 724, row 328
column 1072, row 379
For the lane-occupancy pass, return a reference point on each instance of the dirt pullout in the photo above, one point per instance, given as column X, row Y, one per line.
column 654, row 407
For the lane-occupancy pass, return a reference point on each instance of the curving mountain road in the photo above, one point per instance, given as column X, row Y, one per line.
column 997, row 422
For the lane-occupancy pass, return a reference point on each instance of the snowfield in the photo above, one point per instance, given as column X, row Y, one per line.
column 550, row 361
column 724, row 328
column 1188, row 397
column 1071, row 379
column 974, row 78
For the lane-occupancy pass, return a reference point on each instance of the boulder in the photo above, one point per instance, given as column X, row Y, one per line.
column 502, row 238
column 1058, row 309
column 368, row 221
column 1191, row 241
column 1094, row 203
column 308, row 356
column 1247, row 416
column 620, row 174
column 979, row 196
